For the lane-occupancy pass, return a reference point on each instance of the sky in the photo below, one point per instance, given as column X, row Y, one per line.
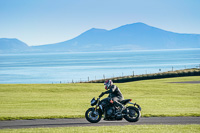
column 39, row 22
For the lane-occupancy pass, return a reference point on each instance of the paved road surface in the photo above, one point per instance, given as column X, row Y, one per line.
column 83, row 122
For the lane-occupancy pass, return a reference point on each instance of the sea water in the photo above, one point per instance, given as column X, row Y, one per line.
column 79, row 67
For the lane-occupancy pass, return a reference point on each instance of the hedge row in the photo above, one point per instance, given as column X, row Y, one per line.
column 170, row 74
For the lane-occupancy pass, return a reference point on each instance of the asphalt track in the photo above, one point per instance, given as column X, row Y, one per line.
column 36, row 123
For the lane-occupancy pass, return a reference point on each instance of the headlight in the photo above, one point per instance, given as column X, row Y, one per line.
column 93, row 102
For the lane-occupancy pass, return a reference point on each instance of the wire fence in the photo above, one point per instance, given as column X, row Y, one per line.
column 195, row 71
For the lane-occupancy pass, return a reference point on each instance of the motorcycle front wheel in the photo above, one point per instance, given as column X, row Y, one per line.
column 93, row 116
column 133, row 114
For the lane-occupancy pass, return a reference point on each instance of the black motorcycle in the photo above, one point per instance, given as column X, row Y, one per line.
column 112, row 112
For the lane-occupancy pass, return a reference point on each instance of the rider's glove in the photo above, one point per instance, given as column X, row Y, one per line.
column 101, row 94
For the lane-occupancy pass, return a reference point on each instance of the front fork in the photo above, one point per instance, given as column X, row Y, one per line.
column 96, row 108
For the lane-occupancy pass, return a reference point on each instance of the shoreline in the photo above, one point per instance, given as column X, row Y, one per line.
column 132, row 78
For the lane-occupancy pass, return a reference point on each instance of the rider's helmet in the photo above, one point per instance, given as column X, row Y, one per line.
column 108, row 84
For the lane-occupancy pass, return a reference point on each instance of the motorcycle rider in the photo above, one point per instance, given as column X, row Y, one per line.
column 114, row 93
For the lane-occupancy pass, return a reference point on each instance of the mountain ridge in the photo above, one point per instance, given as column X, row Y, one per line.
column 10, row 45
column 136, row 36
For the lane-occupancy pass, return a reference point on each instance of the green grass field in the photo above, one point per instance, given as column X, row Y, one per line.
column 113, row 129
column 156, row 97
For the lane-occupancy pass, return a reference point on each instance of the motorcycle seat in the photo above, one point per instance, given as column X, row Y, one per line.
column 125, row 101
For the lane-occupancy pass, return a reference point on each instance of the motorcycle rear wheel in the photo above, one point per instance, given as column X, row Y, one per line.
column 133, row 114
column 93, row 116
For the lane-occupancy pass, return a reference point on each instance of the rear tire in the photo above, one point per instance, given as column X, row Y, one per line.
column 133, row 114
column 91, row 116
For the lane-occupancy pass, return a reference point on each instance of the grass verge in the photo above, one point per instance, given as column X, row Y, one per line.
column 156, row 97
column 113, row 129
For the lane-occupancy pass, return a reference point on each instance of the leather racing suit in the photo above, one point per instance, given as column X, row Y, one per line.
column 115, row 94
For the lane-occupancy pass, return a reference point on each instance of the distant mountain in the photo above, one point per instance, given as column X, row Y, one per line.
column 136, row 36
column 12, row 45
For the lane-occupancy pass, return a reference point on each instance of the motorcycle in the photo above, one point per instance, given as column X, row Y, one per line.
column 111, row 112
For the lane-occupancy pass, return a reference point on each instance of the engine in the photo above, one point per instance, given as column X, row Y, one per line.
column 109, row 112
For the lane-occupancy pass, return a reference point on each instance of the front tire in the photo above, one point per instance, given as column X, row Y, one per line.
column 133, row 114
column 93, row 116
